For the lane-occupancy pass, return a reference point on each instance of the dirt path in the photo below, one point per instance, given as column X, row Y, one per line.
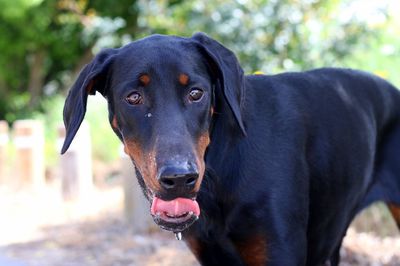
column 44, row 231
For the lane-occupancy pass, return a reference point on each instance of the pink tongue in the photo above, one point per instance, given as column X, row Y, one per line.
column 175, row 207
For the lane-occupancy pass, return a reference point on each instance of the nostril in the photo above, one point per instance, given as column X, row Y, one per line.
column 177, row 179
column 190, row 181
column 167, row 182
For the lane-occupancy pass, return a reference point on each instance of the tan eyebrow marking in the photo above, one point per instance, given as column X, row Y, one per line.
column 183, row 79
column 144, row 79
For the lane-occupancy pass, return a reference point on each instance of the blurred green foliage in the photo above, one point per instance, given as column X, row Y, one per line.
column 266, row 35
column 45, row 43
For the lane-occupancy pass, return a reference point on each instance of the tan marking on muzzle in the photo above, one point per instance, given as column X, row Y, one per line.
column 183, row 79
column 145, row 162
column 202, row 144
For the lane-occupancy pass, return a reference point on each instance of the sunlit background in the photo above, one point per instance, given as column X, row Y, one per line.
column 85, row 208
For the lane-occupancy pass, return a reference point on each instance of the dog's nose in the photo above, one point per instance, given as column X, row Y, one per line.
column 178, row 179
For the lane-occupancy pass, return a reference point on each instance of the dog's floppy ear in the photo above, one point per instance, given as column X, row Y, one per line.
column 230, row 76
column 93, row 77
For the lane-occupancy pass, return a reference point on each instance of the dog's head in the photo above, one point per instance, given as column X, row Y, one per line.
column 162, row 92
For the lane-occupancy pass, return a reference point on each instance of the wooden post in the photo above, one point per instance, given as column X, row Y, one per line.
column 29, row 149
column 76, row 164
column 3, row 152
column 136, row 206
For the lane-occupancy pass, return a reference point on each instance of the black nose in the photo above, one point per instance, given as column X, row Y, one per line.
column 178, row 179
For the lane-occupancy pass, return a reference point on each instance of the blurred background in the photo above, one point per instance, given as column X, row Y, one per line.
column 85, row 208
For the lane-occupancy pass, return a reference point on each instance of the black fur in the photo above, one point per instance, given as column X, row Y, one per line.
column 292, row 159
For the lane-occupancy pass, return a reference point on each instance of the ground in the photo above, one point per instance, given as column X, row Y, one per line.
column 40, row 229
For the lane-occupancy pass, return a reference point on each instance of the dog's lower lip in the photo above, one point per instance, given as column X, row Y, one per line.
column 175, row 224
column 174, row 219
column 180, row 216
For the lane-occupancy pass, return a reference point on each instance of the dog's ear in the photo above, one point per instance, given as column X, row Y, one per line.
column 230, row 77
column 93, row 77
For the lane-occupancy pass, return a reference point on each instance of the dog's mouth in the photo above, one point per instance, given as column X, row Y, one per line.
column 175, row 215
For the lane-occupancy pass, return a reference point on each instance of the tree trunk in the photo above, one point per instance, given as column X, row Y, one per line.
column 36, row 77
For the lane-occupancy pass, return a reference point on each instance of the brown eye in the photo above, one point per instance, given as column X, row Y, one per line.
column 134, row 98
column 195, row 95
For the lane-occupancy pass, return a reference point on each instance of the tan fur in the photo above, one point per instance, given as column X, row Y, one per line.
column 395, row 211
column 183, row 79
column 89, row 87
column 145, row 162
column 253, row 251
column 202, row 144
column 194, row 246
column 114, row 122
column 144, row 79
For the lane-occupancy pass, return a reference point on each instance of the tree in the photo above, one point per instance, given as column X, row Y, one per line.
column 267, row 35
column 46, row 42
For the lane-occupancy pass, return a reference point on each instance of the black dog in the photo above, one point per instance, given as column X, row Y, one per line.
column 273, row 167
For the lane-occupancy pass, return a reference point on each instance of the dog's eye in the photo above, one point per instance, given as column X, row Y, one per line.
column 195, row 94
column 134, row 98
